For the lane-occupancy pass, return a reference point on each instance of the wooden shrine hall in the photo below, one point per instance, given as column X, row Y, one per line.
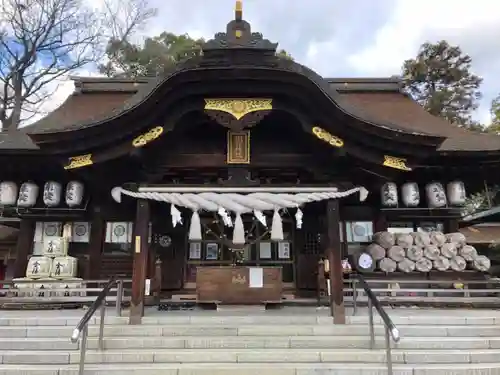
column 238, row 171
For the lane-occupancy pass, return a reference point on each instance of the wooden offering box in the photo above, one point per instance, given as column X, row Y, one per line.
column 239, row 285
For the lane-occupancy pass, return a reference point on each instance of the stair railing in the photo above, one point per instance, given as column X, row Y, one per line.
column 390, row 329
column 82, row 328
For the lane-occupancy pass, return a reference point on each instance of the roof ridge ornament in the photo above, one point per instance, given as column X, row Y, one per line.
column 239, row 35
column 238, row 10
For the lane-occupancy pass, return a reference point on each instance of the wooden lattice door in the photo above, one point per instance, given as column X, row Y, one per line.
column 309, row 251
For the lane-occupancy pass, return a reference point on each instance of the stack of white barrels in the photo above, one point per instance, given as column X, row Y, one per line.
column 424, row 252
column 43, row 271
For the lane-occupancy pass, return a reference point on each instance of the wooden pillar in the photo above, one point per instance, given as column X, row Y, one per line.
column 334, row 250
column 451, row 226
column 97, row 233
column 23, row 246
column 141, row 231
column 380, row 223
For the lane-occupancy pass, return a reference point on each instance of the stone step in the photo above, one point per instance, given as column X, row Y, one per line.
column 255, row 342
column 263, row 319
column 253, row 369
column 27, row 357
column 252, row 330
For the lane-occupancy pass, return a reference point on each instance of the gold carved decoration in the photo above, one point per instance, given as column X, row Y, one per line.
column 239, row 279
column 238, row 107
column 396, row 163
column 137, row 244
column 327, row 137
column 147, row 137
column 79, row 161
column 238, row 147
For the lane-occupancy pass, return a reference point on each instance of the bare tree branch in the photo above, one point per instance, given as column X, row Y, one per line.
column 41, row 41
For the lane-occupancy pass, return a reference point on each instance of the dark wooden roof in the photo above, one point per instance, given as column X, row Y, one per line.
column 368, row 106
column 380, row 99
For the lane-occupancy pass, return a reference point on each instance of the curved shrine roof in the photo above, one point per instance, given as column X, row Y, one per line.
column 380, row 99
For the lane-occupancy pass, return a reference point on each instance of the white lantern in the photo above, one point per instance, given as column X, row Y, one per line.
column 52, row 193
column 389, row 194
column 456, row 193
column 436, row 196
column 410, row 194
column 74, row 193
column 8, row 193
column 28, row 194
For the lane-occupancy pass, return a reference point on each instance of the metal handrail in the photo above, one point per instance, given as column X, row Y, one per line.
column 390, row 328
column 82, row 328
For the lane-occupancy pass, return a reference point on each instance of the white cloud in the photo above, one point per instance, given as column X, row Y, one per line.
column 473, row 25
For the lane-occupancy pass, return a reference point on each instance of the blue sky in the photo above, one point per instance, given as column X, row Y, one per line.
column 342, row 38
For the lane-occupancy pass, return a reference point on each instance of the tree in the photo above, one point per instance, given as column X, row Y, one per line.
column 495, row 116
column 155, row 57
column 41, row 41
column 440, row 79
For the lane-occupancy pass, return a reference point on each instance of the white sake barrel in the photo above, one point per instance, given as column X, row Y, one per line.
column 28, row 194
column 74, row 193
column 389, row 195
column 43, row 287
column 76, row 283
column 436, row 197
column 410, row 194
column 39, row 267
column 52, row 191
column 8, row 193
column 55, row 247
column 456, row 193
column 23, row 289
column 64, row 267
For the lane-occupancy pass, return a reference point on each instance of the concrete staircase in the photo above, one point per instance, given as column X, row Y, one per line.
column 287, row 342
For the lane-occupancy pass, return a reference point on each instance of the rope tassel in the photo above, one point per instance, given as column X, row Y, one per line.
column 239, row 231
column 277, row 227
column 298, row 218
column 195, row 227
column 176, row 216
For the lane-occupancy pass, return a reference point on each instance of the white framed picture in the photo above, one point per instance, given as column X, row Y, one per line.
column 284, row 250
column 265, row 250
column 195, row 250
column 212, row 251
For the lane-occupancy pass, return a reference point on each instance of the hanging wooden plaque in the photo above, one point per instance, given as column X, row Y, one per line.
column 238, row 147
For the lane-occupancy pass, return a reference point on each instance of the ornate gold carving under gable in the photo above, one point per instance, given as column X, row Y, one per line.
column 327, row 137
column 238, row 147
column 396, row 163
column 79, row 161
column 147, row 137
column 238, row 107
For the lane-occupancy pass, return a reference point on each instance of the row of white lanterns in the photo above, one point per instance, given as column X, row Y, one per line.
column 27, row 195
column 437, row 196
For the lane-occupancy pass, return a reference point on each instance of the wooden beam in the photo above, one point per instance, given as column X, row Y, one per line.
column 140, row 243
column 176, row 160
column 97, row 234
column 24, row 246
column 334, row 249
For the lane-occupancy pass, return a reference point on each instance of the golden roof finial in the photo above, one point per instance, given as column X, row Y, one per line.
column 238, row 10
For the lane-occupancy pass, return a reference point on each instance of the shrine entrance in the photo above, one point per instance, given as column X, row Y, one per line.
column 217, row 249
